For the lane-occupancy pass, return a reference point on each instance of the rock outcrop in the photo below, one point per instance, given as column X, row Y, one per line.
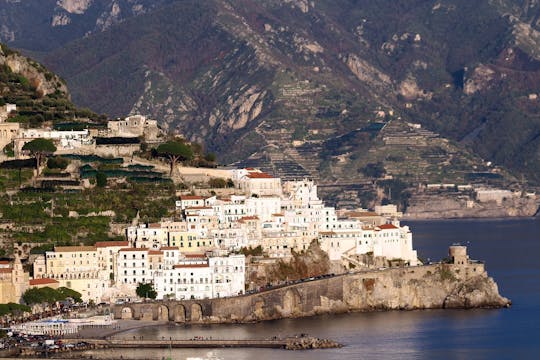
column 38, row 77
column 464, row 284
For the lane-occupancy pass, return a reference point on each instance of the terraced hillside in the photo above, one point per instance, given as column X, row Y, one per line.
column 304, row 87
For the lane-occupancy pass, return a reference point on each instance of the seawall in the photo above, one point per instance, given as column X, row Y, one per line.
column 436, row 286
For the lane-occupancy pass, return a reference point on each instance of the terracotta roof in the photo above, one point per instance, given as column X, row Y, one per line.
column 42, row 281
column 361, row 213
column 194, row 255
column 170, row 248
column 260, row 176
column 5, row 270
column 101, row 244
column 191, row 197
column 74, row 248
column 326, row 233
column 134, row 249
column 154, row 226
column 387, row 226
column 155, row 252
column 278, row 214
column 245, row 218
column 4, row 262
column 249, row 169
column 190, row 266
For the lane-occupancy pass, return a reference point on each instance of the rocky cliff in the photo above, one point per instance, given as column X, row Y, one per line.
column 39, row 78
column 438, row 286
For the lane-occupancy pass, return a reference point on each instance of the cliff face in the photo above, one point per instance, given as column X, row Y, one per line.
column 43, row 81
column 429, row 287
column 439, row 286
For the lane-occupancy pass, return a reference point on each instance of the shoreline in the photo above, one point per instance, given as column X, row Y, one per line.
column 497, row 218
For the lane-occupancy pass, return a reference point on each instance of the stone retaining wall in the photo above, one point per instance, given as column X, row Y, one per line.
column 422, row 287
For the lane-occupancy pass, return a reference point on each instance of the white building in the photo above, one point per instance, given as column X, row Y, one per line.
column 134, row 126
column 64, row 139
column 198, row 276
column 255, row 182
column 133, row 267
column 186, row 201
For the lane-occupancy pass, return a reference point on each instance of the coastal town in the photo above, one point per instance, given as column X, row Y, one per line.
column 228, row 179
column 230, row 234
column 198, row 255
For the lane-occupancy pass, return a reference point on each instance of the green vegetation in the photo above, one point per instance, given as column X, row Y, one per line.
column 12, row 179
column 146, row 291
column 39, row 148
column 33, row 107
column 8, row 150
column 256, row 251
column 57, row 162
column 42, row 217
column 175, row 151
column 374, row 170
column 49, row 295
column 14, row 309
column 218, row 183
column 446, row 274
column 101, row 179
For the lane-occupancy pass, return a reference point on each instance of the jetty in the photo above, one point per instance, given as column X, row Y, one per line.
column 290, row 343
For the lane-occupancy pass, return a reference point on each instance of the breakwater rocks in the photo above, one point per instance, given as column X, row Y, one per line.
column 460, row 284
column 307, row 343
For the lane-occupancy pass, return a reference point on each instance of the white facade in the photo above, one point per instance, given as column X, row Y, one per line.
column 201, row 277
column 133, row 267
column 187, row 201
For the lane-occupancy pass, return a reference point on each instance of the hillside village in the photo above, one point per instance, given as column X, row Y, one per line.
column 230, row 231
column 200, row 254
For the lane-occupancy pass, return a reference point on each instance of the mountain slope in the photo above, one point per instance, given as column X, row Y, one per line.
column 300, row 86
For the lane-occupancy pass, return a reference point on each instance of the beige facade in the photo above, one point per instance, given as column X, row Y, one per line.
column 280, row 243
column 8, row 132
column 13, row 281
column 134, row 126
column 255, row 182
column 77, row 268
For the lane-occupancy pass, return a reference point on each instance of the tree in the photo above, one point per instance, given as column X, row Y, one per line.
column 210, row 157
column 57, row 162
column 49, row 295
column 69, row 293
column 40, row 295
column 217, row 183
column 39, row 148
column 175, row 150
column 374, row 170
column 146, row 291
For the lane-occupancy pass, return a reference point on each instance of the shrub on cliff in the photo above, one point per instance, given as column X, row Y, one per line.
column 312, row 262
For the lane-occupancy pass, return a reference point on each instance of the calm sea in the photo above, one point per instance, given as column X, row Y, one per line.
column 511, row 249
